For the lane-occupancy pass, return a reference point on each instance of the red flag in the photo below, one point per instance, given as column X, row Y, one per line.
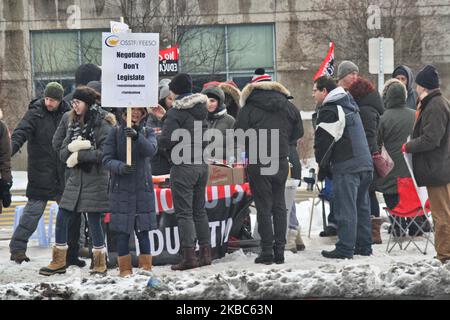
column 327, row 66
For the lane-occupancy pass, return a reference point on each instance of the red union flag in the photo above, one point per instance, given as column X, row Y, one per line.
column 168, row 61
column 327, row 66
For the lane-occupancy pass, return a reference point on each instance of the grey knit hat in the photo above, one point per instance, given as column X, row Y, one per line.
column 54, row 90
column 345, row 68
column 164, row 90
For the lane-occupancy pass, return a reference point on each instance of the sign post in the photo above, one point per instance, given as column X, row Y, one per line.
column 130, row 71
column 381, row 58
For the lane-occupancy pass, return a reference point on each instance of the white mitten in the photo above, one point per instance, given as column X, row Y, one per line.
column 78, row 145
column 73, row 160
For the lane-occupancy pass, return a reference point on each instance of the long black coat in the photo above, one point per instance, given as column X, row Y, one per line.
column 131, row 197
column 45, row 170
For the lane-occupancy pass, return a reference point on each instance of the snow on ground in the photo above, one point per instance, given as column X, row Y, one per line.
column 304, row 275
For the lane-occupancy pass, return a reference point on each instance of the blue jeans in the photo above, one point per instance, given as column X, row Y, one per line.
column 352, row 210
column 95, row 226
column 123, row 240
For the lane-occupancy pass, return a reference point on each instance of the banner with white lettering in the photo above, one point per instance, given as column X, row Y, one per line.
column 226, row 207
column 130, row 72
column 168, row 61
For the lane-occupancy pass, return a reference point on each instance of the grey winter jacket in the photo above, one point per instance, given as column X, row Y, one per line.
column 88, row 192
column 395, row 126
column 411, row 102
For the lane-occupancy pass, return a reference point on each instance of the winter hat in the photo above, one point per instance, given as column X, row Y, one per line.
column 181, row 84
column 216, row 93
column 87, row 73
column 428, row 78
column 86, row 95
column 54, row 90
column 261, row 75
column 96, row 85
column 163, row 89
column 394, row 94
column 400, row 72
column 345, row 68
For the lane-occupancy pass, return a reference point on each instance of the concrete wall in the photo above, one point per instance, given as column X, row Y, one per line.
column 298, row 52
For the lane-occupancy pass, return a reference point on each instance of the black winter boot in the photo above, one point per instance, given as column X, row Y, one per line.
column 278, row 255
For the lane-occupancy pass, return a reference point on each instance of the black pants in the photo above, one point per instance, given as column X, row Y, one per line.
column 73, row 235
column 188, row 194
column 374, row 205
column 268, row 193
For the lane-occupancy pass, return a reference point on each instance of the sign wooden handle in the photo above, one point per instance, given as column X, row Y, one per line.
column 128, row 138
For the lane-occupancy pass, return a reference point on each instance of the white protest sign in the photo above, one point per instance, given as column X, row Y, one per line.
column 130, row 69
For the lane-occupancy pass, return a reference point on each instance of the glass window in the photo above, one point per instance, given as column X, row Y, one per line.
column 91, row 47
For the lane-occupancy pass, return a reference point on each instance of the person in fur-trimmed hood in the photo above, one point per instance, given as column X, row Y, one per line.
column 232, row 97
column 189, row 173
column 86, row 188
column 5, row 165
column 266, row 106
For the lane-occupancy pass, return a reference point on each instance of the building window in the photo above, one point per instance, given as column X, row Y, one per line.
column 57, row 54
column 229, row 52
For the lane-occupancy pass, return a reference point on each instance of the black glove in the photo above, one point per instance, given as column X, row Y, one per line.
column 132, row 133
column 5, row 185
column 324, row 173
column 6, row 199
column 128, row 169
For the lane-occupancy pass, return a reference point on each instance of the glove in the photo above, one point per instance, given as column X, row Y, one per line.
column 132, row 133
column 404, row 148
column 78, row 145
column 6, row 199
column 126, row 169
column 73, row 160
column 5, row 185
column 5, row 194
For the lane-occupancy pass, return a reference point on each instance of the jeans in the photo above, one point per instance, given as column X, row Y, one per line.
column 188, row 194
column 268, row 193
column 95, row 226
column 123, row 240
column 352, row 209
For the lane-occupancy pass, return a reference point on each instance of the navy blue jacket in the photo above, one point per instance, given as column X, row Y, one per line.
column 131, row 197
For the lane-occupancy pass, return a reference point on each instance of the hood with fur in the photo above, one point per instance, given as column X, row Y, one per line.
column 264, row 101
column 394, row 94
column 1, row 114
column 195, row 104
column 102, row 114
column 232, row 92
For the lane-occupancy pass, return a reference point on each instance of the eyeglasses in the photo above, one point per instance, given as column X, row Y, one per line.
column 75, row 102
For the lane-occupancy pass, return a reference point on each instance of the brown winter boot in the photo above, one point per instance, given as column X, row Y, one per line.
column 299, row 241
column 189, row 260
column 58, row 263
column 145, row 262
column 99, row 257
column 125, row 267
column 290, row 243
column 205, row 255
column 376, row 226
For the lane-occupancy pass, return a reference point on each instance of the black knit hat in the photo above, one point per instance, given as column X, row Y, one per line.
column 181, row 84
column 428, row 78
column 86, row 95
column 87, row 73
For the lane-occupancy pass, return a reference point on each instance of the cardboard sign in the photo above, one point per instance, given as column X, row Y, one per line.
column 130, row 69
column 168, row 61
column 220, row 175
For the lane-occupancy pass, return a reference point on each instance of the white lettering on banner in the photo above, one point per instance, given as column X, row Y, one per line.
column 176, row 248
column 214, row 198
column 240, row 193
column 165, row 207
column 165, row 241
column 227, row 191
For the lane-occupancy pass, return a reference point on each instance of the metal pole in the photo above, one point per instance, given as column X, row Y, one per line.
column 381, row 66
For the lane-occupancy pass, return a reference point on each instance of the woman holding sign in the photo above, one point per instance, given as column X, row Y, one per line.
column 87, row 185
column 131, row 196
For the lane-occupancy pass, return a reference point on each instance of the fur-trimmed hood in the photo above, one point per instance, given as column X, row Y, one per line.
column 1, row 114
column 231, row 91
column 102, row 114
column 394, row 94
column 191, row 101
column 266, row 86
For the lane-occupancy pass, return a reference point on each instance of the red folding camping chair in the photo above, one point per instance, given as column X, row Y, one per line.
column 409, row 206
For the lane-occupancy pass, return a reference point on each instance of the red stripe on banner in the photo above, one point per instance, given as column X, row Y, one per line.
column 325, row 62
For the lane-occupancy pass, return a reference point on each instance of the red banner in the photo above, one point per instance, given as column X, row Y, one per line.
column 169, row 54
column 327, row 66
column 168, row 61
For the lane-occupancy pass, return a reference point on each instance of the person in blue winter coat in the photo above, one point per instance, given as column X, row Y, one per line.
column 131, row 194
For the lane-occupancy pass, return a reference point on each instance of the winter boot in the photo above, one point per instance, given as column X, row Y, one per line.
column 329, row 231
column 278, row 256
column 264, row 258
column 19, row 257
column 376, row 226
column 299, row 241
column 334, row 254
column 73, row 260
column 291, row 237
column 99, row 257
column 189, row 260
column 205, row 255
column 125, row 267
column 58, row 263
column 145, row 262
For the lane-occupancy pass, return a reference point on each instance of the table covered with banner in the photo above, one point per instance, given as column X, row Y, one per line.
column 228, row 211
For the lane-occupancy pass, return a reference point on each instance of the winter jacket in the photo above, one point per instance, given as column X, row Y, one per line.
column 350, row 153
column 266, row 106
column 232, row 96
column 88, row 191
column 5, row 152
column 430, row 146
column 411, row 102
column 370, row 109
column 45, row 170
column 396, row 126
column 161, row 160
column 294, row 159
column 189, row 113
column 131, row 197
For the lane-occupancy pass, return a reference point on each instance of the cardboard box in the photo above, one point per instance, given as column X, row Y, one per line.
column 220, row 174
